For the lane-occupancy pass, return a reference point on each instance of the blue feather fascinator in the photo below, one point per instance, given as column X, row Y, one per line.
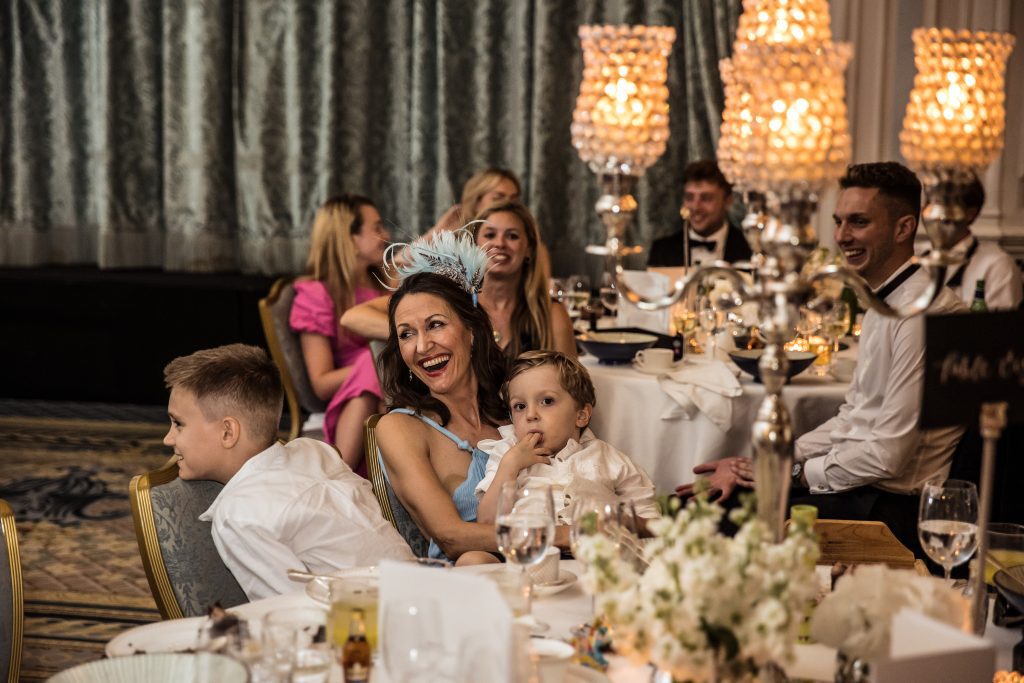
column 452, row 254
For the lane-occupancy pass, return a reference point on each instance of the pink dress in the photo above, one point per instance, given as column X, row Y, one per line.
column 313, row 311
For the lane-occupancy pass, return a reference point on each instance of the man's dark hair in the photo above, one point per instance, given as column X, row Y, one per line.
column 973, row 196
column 489, row 364
column 706, row 170
column 895, row 182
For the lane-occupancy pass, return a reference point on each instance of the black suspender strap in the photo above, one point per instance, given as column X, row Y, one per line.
column 958, row 275
column 895, row 283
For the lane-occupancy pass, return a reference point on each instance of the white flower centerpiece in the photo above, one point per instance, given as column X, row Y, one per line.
column 856, row 618
column 703, row 606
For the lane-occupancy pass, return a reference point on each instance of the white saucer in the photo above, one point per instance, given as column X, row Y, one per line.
column 565, row 579
column 173, row 635
column 659, row 371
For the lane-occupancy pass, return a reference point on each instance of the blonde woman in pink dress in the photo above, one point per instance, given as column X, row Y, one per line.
column 346, row 252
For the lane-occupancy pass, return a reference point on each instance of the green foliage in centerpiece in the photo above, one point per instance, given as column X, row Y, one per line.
column 699, row 604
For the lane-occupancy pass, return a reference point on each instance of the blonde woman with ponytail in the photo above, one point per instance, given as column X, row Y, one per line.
column 346, row 250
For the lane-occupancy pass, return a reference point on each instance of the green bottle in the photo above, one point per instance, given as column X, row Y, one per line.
column 978, row 304
column 850, row 297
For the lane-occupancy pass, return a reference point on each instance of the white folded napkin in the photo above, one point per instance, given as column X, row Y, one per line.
column 701, row 385
column 645, row 284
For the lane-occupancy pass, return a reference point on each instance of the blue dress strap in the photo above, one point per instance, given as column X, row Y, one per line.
column 461, row 444
column 464, row 497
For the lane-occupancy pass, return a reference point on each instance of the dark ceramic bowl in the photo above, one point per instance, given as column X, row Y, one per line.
column 614, row 348
column 747, row 360
column 1012, row 590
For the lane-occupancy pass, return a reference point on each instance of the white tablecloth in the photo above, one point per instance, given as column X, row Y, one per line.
column 574, row 606
column 630, row 405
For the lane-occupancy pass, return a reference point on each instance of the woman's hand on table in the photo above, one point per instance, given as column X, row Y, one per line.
column 724, row 476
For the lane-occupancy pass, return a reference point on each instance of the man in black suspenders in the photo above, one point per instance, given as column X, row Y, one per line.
column 983, row 261
column 870, row 460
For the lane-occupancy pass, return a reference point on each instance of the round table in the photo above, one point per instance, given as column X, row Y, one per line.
column 631, row 405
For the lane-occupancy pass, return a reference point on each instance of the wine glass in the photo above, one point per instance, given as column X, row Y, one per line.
column 577, row 291
column 609, row 293
column 525, row 523
column 948, row 522
column 411, row 646
column 836, row 322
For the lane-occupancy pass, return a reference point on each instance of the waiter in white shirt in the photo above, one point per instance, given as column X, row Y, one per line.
column 870, row 461
column 707, row 196
column 983, row 261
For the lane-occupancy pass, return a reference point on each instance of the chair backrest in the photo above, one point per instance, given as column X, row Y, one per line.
column 390, row 506
column 856, row 542
column 12, row 599
column 275, row 310
column 184, row 569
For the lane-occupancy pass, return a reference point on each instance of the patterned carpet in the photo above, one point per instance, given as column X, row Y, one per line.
column 67, row 480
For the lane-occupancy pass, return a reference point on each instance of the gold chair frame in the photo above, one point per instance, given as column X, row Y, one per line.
column 149, row 544
column 277, row 354
column 373, row 469
column 10, row 533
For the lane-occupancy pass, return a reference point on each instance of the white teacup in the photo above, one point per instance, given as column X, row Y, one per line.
column 546, row 571
column 654, row 359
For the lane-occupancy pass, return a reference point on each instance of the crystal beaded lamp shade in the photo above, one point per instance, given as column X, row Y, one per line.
column 620, row 124
column 784, row 126
column 956, row 114
column 785, row 22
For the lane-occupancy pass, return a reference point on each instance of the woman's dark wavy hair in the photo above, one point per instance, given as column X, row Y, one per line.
column 487, row 361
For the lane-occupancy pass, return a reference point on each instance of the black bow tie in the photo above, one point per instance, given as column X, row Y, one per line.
column 710, row 245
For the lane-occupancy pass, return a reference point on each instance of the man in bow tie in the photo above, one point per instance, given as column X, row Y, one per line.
column 870, row 461
column 707, row 196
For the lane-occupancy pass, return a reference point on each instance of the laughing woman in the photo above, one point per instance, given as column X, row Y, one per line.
column 441, row 365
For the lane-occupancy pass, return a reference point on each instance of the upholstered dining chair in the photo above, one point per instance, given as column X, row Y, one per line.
column 12, row 599
column 390, row 506
column 275, row 309
column 184, row 570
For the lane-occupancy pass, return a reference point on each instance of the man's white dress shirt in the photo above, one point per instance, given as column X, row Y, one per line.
column 875, row 440
column 588, row 468
column 298, row 506
column 1003, row 288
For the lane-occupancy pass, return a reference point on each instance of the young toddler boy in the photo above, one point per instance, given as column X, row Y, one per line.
column 283, row 506
column 551, row 398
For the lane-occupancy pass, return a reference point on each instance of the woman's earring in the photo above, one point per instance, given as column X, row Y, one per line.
column 410, row 374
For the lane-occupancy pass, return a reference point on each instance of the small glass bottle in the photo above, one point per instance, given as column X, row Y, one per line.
column 978, row 303
column 356, row 656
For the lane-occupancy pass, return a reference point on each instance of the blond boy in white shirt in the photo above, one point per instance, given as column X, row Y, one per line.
column 283, row 506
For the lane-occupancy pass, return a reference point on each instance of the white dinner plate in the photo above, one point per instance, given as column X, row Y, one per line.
column 319, row 588
column 157, row 668
column 576, row 673
column 565, row 579
column 659, row 371
column 173, row 635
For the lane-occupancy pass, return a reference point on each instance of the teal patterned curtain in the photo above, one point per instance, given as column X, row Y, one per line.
column 201, row 135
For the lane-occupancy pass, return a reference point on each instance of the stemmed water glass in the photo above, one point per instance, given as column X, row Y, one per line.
column 525, row 523
column 411, row 648
column 948, row 522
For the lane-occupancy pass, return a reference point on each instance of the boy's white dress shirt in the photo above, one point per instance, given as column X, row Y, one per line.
column 298, row 506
